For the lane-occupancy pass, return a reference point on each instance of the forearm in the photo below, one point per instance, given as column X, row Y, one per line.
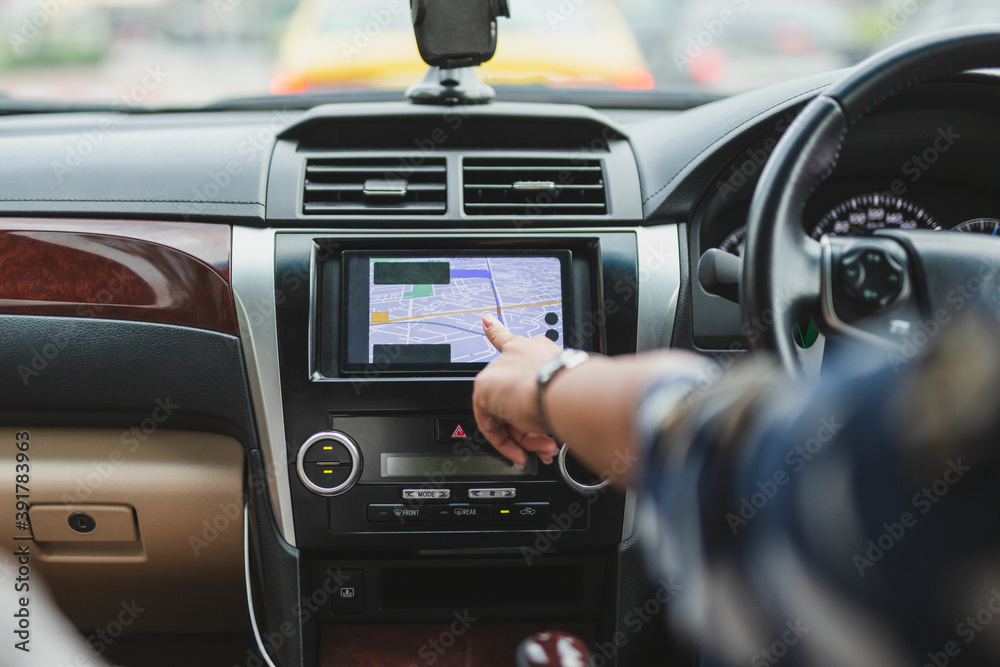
column 593, row 407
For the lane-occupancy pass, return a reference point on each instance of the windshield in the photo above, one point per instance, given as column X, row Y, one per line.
column 179, row 53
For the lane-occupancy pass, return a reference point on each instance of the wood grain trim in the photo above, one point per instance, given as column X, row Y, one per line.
column 163, row 272
column 481, row 644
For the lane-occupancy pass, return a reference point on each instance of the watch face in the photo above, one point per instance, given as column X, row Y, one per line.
column 548, row 369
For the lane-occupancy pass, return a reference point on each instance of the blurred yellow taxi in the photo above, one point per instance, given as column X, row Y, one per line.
column 370, row 44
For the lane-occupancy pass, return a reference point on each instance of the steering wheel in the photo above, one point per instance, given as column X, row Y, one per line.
column 887, row 289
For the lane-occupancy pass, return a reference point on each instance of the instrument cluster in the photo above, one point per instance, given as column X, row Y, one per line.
column 864, row 214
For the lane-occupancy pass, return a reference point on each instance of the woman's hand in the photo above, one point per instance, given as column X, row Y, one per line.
column 592, row 406
column 505, row 394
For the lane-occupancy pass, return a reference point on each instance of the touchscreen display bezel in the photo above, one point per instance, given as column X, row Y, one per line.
column 354, row 306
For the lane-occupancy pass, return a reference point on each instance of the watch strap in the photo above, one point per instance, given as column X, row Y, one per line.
column 549, row 370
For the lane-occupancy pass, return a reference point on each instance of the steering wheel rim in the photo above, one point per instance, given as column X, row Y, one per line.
column 782, row 267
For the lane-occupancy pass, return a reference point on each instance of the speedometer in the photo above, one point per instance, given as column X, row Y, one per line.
column 866, row 214
column 989, row 226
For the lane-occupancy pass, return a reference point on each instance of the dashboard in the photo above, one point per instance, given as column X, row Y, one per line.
column 866, row 214
column 935, row 207
column 909, row 165
column 283, row 306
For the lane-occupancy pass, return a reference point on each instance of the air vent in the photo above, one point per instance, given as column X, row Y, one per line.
column 374, row 186
column 530, row 187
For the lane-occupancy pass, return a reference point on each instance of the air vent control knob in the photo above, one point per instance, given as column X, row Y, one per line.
column 329, row 463
column 577, row 476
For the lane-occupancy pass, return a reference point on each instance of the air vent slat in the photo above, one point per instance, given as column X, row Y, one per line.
column 374, row 186
column 361, row 208
column 529, row 167
column 323, row 169
column 534, row 186
column 507, row 186
column 359, row 187
column 542, row 206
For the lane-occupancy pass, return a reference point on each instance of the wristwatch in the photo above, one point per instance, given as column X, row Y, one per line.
column 548, row 371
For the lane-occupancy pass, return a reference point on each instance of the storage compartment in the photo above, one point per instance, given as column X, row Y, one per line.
column 427, row 588
column 457, row 587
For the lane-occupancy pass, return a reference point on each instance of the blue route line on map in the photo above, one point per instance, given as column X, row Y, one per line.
column 470, row 273
column 496, row 297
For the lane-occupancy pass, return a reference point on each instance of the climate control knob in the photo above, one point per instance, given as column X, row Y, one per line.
column 577, row 476
column 329, row 463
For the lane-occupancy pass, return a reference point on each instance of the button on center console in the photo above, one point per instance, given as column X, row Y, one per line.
column 398, row 513
column 524, row 512
column 456, row 429
column 462, row 512
column 348, row 593
column 493, row 494
column 426, row 494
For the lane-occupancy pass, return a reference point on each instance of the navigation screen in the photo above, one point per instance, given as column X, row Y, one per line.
column 424, row 311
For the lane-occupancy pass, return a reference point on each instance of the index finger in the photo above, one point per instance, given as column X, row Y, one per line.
column 496, row 332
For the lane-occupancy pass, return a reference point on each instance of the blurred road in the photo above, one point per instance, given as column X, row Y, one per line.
column 183, row 53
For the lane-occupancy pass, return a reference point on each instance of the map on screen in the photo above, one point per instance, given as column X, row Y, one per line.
column 428, row 310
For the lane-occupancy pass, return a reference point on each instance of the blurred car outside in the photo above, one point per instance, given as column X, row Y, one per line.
column 727, row 46
column 337, row 44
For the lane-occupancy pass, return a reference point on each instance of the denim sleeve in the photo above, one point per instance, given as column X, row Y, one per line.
column 845, row 521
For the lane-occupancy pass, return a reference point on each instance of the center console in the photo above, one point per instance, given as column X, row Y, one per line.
column 378, row 346
column 360, row 306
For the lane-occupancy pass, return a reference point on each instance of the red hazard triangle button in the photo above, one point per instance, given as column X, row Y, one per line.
column 453, row 429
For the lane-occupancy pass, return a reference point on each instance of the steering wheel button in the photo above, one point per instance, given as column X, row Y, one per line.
column 855, row 275
column 871, row 277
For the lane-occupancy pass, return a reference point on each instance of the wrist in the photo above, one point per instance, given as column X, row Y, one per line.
column 547, row 373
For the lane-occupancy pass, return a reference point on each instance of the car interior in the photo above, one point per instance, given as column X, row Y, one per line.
column 237, row 353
